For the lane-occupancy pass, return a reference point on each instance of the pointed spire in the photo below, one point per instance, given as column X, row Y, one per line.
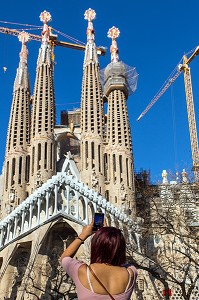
column 45, row 17
column 18, row 137
column 43, row 111
column 90, row 52
column 90, row 15
column 22, row 72
column 23, row 38
column 45, row 53
column 114, row 33
column 92, row 117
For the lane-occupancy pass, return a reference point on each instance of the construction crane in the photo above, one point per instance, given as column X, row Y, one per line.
column 53, row 40
column 184, row 67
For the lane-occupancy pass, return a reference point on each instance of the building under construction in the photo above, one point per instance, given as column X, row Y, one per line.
column 57, row 175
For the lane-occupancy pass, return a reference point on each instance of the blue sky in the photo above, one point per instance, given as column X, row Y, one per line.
column 154, row 36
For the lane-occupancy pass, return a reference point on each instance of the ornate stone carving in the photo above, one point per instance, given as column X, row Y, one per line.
column 77, row 188
column 123, row 193
column 69, row 156
column 114, row 33
column 94, row 180
column 164, row 177
column 184, row 176
column 12, row 196
column 38, row 182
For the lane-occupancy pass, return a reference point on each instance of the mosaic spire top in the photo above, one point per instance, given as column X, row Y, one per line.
column 23, row 38
column 90, row 16
column 114, row 33
column 45, row 17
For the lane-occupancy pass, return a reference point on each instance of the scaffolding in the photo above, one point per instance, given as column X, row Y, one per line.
column 120, row 73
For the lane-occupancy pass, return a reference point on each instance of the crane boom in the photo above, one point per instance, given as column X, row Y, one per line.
column 190, row 106
column 178, row 71
column 155, row 99
column 16, row 32
column 53, row 39
column 195, row 53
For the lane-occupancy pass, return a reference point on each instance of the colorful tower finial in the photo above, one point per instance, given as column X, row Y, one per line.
column 45, row 17
column 114, row 33
column 24, row 38
column 90, row 15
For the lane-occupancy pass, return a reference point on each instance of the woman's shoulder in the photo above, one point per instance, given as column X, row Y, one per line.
column 130, row 266
column 133, row 268
column 69, row 263
column 133, row 272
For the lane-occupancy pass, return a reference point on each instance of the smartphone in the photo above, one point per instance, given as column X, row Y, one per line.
column 98, row 221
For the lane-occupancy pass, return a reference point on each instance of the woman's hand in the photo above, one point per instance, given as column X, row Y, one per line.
column 74, row 246
column 87, row 231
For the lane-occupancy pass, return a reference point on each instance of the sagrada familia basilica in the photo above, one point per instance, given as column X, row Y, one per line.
column 56, row 176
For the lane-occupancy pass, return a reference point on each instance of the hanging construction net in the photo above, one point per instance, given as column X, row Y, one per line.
column 119, row 72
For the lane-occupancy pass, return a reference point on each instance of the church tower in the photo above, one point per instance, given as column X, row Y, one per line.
column 92, row 115
column 55, row 207
column 16, row 165
column 118, row 151
column 42, row 165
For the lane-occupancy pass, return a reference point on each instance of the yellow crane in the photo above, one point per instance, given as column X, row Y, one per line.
column 184, row 67
column 53, row 39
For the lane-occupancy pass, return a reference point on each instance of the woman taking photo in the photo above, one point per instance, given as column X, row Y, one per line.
column 106, row 277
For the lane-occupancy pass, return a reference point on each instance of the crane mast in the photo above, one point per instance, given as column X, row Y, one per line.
column 191, row 117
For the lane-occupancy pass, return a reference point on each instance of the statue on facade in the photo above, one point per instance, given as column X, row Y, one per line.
column 123, row 193
column 38, row 180
column 71, row 126
column 12, row 196
column 94, row 180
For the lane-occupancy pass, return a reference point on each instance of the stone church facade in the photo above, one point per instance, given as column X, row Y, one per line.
column 47, row 197
column 56, row 176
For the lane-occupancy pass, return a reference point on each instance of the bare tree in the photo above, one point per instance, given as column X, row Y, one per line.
column 50, row 283
column 169, row 237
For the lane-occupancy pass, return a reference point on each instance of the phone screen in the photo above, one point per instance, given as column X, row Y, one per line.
column 98, row 221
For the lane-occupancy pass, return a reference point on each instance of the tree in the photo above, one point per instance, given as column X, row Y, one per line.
column 43, row 278
column 169, row 238
column 57, row 286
